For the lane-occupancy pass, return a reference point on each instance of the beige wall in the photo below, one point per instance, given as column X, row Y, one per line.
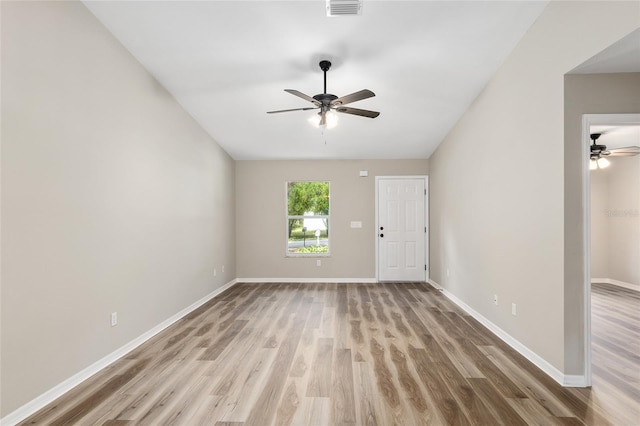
column 261, row 209
column 113, row 199
column 623, row 215
column 585, row 94
column 615, row 221
column 497, row 183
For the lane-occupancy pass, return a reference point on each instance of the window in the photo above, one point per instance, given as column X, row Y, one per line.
column 307, row 218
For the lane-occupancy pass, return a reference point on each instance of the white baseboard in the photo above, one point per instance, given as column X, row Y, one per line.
column 573, row 381
column 623, row 284
column 306, row 280
column 550, row 370
column 57, row 391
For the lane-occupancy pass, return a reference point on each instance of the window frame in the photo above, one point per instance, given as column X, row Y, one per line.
column 290, row 217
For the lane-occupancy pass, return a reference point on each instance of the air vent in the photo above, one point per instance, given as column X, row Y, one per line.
column 344, row 7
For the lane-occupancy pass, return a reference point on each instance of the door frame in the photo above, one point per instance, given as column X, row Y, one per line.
column 589, row 120
column 426, row 221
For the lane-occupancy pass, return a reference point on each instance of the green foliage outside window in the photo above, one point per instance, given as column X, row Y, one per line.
column 308, row 197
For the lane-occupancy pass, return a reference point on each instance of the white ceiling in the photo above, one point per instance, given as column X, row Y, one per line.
column 621, row 56
column 228, row 62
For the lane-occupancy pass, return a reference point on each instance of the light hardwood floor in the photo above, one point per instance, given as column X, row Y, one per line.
column 325, row 354
column 615, row 351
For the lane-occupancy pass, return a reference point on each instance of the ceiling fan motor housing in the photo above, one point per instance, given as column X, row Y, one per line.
column 325, row 97
column 325, row 100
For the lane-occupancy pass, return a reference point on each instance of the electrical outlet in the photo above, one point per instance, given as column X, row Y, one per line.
column 513, row 309
column 215, row 272
column 318, row 262
column 114, row 319
column 222, row 268
column 447, row 271
column 495, row 299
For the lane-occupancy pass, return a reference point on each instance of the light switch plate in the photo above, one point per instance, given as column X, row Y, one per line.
column 356, row 224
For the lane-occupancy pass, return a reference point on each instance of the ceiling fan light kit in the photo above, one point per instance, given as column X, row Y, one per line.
column 327, row 102
column 599, row 152
column 599, row 163
column 330, row 120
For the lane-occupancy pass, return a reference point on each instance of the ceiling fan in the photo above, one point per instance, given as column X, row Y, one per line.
column 327, row 102
column 599, row 152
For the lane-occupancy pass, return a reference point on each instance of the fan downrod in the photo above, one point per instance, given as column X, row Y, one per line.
column 324, row 66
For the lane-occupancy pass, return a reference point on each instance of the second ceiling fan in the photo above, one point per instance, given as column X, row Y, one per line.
column 326, row 102
column 598, row 152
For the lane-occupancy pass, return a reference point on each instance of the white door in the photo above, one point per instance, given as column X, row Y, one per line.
column 401, row 228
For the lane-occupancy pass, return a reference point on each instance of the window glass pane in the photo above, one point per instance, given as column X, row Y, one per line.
column 308, row 236
column 307, row 218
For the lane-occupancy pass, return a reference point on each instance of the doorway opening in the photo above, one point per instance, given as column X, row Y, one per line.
column 596, row 211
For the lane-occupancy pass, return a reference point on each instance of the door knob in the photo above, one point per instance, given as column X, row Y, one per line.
column 381, row 235
column 381, row 228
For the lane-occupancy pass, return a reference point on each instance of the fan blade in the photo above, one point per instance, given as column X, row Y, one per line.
column 625, row 151
column 627, row 148
column 294, row 109
column 356, row 111
column 623, row 154
column 303, row 96
column 357, row 96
